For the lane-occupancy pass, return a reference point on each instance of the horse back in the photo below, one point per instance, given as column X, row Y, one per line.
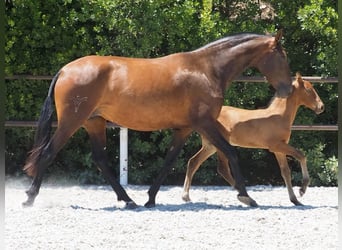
column 138, row 93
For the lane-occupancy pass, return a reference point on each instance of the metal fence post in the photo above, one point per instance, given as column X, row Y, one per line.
column 123, row 156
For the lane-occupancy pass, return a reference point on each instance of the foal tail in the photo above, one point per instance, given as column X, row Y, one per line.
column 43, row 132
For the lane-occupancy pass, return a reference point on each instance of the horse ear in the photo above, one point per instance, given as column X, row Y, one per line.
column 278, row 36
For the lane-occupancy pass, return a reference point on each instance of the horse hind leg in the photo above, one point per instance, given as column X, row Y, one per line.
column 43, row 160
column 178, row 140
column 96, row 128
column 41, row 163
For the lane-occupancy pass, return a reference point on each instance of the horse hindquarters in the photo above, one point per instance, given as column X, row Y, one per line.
column 70, row 119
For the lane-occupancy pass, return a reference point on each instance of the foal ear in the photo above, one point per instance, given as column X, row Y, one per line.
column 299, row 78
column 278, row 36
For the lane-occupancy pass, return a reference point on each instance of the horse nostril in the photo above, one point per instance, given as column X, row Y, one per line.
column 320, row 108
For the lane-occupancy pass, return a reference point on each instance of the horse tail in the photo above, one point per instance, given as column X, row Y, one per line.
column 43, row 132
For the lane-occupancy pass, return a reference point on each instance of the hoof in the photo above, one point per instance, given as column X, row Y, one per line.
column 301, row 191
column 28, row 203
column 131, row 205
column 150, row 204
column 247, row 200
column 297, row 203
column 186, row 198
column 31, row 196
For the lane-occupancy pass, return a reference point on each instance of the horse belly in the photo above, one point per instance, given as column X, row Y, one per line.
column 246, row 143
column 248, row 137
column 263, row 136
column 145, row 117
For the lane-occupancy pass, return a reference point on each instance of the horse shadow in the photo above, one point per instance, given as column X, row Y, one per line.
column 201, row 206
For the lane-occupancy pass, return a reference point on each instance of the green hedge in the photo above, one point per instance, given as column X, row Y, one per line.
column 43, row 36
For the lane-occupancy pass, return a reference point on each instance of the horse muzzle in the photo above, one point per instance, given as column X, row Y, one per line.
column 319, row 108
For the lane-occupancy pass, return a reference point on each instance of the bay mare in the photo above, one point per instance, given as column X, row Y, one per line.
column 182, row 91
column 268, row 128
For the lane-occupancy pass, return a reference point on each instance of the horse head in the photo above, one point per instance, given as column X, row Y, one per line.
column 273, row 64
column 307, row 95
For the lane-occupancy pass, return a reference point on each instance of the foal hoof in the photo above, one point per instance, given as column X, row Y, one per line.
column 301, row 191
column 186, row 198
column 131, row 205
column 247, row 200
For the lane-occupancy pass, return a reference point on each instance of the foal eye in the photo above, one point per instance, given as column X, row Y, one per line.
column 308, row 90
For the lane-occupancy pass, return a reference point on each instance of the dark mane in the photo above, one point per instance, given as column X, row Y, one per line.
column 232, row 40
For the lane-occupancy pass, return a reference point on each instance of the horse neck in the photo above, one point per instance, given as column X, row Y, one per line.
column 228, row 62
column 285, row 107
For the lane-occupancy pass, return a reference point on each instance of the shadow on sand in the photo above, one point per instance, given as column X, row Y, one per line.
column 201, row 206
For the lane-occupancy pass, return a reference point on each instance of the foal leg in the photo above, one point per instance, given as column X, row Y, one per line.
column 299, row 156
column 286, row 174
column 223, row 168
column 194, row 163
column 178, row 140
column 213, row 130
column 302, row 160
column 96, row 128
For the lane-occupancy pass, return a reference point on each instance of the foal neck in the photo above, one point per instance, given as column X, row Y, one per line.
column 286, row 107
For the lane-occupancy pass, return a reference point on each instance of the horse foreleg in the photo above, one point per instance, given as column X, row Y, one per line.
column 194, row 163
column 96, row 128
column 302, row 160
column 286, row 174
column 299, row 156
column 178, row 140
column 214, row 132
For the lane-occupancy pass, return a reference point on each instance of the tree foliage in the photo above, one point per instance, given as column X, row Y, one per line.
column 43, row 36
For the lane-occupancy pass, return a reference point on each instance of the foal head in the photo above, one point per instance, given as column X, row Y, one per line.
column 307, row 95
column 273, row 64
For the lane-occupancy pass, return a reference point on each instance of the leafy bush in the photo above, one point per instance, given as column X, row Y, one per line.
column 322, row 172
column 43, row 36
